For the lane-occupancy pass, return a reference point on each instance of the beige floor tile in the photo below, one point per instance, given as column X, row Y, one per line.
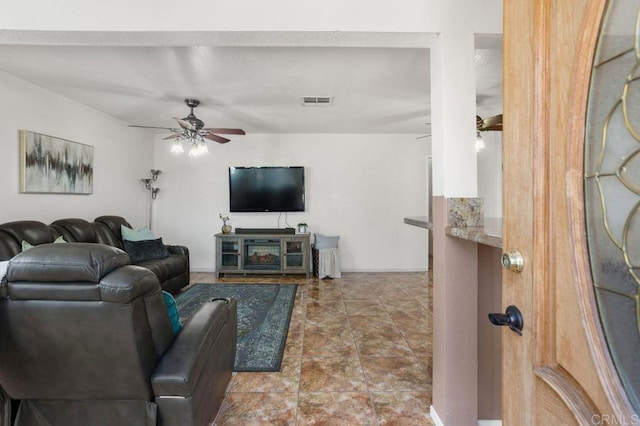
column 375, row 344
column 365, row 307
column 258, row 409
column 402, row 408
column 336, row 374
column 420, row 343
column 335, row 408
column 325, row 341
column 387, row 374
column 286, row 380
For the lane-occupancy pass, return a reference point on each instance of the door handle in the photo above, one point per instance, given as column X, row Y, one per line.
column 511, row 318
column 513, row 261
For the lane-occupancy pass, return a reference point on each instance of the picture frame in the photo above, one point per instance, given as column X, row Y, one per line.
column 54, row 166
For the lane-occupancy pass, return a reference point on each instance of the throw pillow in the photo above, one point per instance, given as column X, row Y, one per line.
column 172, row 310
column 136, row 234
column 27, row 245
column 325, row 242
column 139, row 251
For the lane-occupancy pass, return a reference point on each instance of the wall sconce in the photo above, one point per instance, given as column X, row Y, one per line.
column 148, row 183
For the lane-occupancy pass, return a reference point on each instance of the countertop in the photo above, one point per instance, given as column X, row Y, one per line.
column 490, row 234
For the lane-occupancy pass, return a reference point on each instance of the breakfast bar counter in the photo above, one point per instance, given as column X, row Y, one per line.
column 490, row 234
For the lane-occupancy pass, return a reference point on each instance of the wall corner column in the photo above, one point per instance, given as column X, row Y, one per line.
column 455, row 261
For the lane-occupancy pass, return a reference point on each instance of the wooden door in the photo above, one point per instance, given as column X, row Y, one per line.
column 559, row 371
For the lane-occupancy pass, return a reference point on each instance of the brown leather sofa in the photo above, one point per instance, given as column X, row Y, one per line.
column 172, row 271
column 85, row 339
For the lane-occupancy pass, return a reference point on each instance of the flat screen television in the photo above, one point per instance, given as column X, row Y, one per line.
column 266, row 189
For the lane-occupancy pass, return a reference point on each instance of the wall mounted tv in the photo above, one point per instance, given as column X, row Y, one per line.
column 266, row 189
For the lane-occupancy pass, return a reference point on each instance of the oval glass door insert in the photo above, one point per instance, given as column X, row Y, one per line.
column 612, row 187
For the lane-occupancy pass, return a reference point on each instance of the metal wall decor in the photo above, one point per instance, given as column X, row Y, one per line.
column 53, row 165
column 612, row 187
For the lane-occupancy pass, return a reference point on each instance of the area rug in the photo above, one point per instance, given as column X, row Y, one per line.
column 264, row 312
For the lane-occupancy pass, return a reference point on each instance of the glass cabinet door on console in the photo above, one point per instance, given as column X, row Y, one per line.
column 295, row 253
column 230, row 250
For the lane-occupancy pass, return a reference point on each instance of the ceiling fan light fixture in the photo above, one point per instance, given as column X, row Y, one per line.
column 176, row 147
column 479, row 142
column 203, row 148
column 198, row 148
column 193, row 151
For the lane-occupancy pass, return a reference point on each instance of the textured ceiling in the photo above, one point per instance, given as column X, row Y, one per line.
column 259, row 89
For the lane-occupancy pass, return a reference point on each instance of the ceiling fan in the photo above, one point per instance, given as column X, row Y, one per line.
column 486, row 125
column 489, row 124
column 482, row 125
column 192, row 130
column 428, row 135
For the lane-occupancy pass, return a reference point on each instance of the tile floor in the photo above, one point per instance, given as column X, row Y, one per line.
column 358, row 352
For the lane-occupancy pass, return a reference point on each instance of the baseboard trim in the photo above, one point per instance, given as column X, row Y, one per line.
column 435, row 417
column 344, row 271
column 361, row 270
column 438, row 422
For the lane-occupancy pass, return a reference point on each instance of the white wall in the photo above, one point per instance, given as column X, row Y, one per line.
column 358, row 186
column 121, row 156
column 490, row 174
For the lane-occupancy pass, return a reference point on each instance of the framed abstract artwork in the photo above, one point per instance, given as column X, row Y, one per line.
column 53, row 165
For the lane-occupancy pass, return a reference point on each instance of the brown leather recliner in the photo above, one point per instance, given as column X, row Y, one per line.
column 85, row 339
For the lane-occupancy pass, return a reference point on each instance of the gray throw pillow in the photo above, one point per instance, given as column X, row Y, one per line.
column 324, row 242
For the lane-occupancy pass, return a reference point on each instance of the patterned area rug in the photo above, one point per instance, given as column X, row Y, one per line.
column 264, row 312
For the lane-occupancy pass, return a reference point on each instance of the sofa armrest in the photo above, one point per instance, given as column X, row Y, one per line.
column 5, row 408
column 175, row 249
column 208, row 337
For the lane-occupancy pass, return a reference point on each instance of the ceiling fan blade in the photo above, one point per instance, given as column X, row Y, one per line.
column 215, row 138
column 489, row 124
column 153, row 127
column 493, row 123
column 185, row 123
column 173, row 136
column 171, row 129
column 225, row 131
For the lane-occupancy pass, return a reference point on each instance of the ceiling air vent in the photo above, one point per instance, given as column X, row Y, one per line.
column 316, row 100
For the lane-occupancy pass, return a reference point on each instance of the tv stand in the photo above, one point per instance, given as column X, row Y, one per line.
column 263, row 253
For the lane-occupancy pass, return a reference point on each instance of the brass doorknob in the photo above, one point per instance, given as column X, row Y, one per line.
column 513, row 261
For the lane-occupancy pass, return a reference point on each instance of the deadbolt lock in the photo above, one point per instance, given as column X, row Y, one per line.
column 513, row 261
